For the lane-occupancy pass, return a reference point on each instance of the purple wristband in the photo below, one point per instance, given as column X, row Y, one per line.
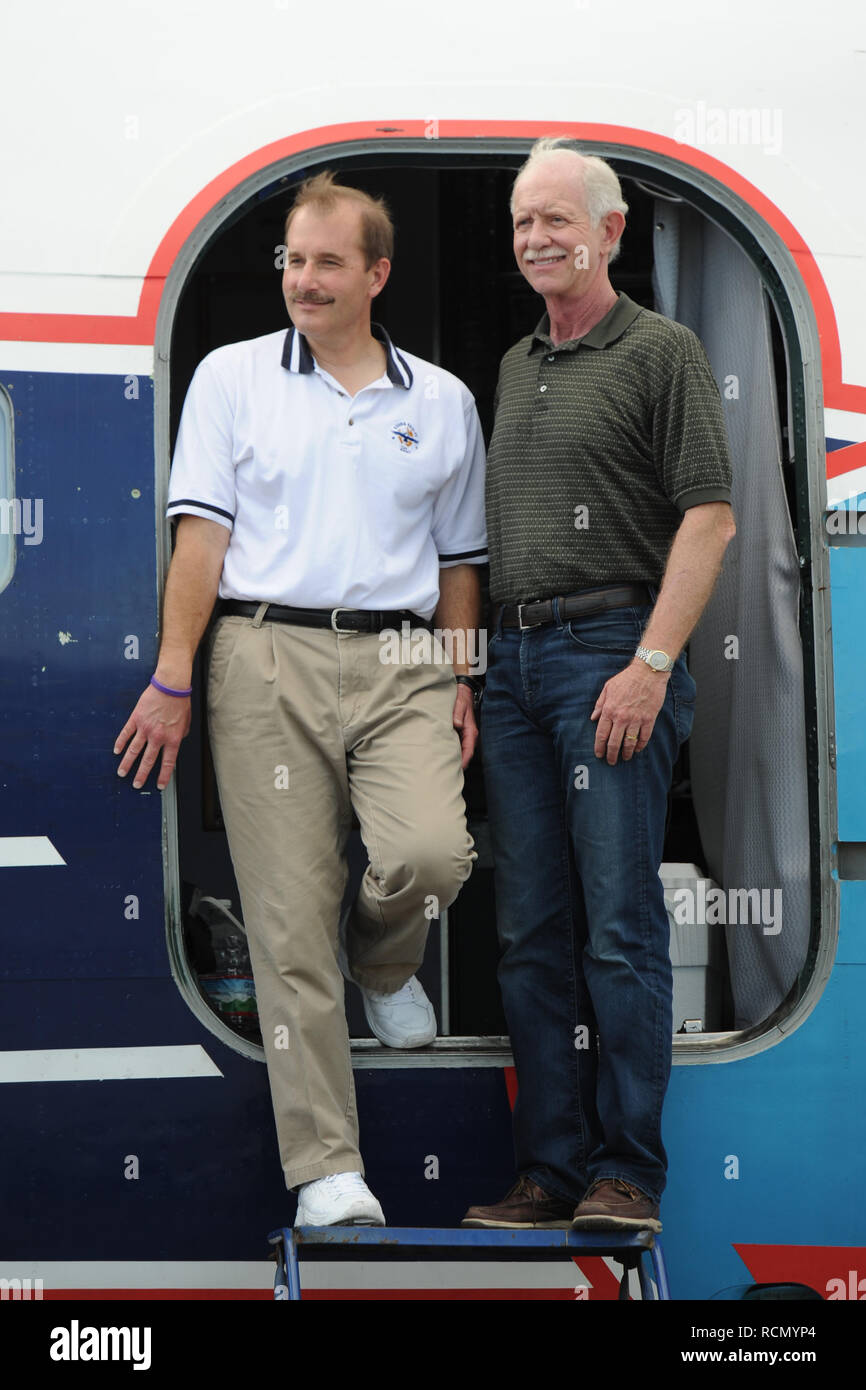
column 166, row 690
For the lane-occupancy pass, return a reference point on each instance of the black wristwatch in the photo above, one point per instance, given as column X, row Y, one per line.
column 475, row 685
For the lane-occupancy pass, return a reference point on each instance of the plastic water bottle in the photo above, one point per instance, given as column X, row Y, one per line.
column 229, row 988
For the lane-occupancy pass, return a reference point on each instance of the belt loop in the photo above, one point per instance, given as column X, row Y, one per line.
column 260, row 614
column 555, row 611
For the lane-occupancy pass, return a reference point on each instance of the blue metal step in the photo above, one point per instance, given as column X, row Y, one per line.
column 628, row 1248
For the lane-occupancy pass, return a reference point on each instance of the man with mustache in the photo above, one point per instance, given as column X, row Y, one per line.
column 330, row 488
column 608, row 492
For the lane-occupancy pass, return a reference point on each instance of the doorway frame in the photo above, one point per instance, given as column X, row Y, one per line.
column 782, row 278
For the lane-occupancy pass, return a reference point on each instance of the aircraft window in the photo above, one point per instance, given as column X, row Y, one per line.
column 9, row 505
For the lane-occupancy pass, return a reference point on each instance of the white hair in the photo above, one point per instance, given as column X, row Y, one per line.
column 600, row 186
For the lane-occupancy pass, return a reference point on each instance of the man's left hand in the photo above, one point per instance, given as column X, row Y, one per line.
column 464, row 723
column 626, row 711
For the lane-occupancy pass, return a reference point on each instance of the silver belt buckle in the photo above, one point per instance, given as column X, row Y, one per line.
column 346, row 631
column 524, row 627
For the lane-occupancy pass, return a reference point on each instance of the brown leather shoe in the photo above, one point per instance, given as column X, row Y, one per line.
column 525, row 1206
column 614, row 1205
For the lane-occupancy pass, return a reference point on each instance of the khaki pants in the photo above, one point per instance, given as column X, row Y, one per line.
column 306, row 724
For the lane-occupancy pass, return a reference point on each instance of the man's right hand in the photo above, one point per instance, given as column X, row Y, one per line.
column 157, row 722
column 162, row 721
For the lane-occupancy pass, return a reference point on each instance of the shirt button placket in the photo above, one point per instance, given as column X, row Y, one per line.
column 351, row 438
column 542, row 372
column 542, row 384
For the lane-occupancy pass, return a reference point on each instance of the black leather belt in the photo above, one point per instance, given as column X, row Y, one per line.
column 537, row 612
column 338, row 619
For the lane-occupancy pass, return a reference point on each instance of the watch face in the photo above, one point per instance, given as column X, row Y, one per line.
column 658, row 661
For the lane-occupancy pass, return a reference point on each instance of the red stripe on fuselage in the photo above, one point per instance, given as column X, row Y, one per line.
column 101, row 328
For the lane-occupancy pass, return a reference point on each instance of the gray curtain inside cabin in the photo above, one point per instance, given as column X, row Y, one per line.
column 748, row 746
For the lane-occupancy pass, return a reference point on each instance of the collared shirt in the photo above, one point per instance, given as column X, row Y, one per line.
column 599, row 447
column 332, row 500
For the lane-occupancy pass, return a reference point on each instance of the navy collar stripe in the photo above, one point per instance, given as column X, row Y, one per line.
column 297, row 356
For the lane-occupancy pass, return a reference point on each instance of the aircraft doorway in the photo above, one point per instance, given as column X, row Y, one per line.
column 454, row 297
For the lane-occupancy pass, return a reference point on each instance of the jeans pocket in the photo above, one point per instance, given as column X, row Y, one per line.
column 488, row 652
column 683, row 690
column 616, row 632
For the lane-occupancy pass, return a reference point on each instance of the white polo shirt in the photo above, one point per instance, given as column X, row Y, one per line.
column 332, row 500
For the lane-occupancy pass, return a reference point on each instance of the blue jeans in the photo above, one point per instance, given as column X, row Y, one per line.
column 585, row 973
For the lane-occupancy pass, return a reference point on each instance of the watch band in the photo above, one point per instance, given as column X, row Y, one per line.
column 473, row 682
column 651, row 657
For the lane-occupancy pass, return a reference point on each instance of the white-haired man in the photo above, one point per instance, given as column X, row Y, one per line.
column 608, row 492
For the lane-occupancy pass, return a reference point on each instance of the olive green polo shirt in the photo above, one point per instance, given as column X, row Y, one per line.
column 599, row 447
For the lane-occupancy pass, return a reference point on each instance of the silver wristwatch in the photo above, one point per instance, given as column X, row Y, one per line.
column 657, row 660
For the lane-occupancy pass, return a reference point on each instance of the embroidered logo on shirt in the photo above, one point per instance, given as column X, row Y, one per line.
column 405, row 436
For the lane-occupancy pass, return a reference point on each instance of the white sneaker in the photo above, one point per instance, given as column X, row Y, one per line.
column 404, row 1019
column 342, row 1199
